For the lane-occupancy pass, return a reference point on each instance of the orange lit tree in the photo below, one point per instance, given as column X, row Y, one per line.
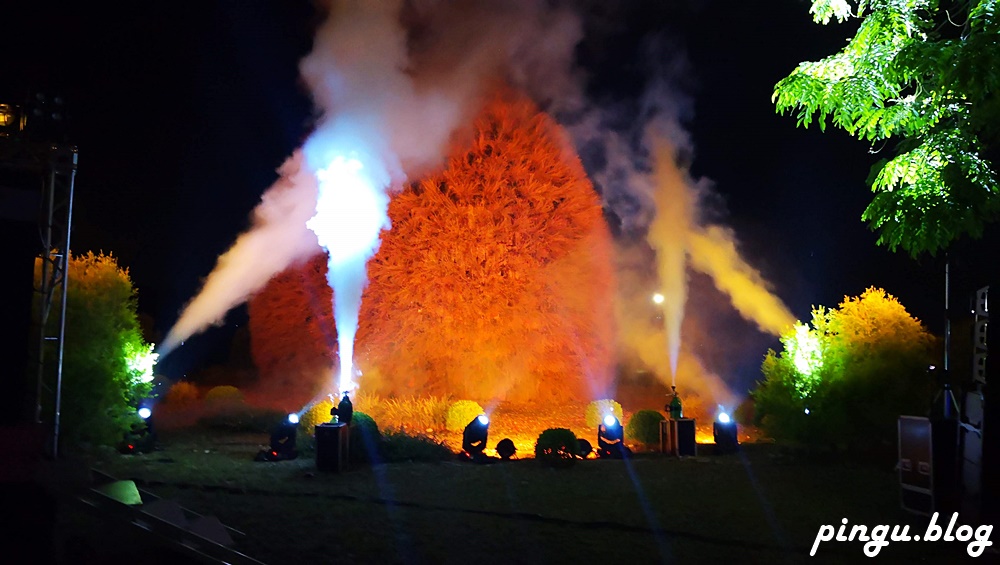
column 495, row 281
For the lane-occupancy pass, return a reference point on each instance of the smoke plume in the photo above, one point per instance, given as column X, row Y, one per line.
column 391, row 81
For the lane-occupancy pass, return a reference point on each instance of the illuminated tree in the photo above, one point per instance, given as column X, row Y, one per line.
column 495, row 280
column 925, row 74
column 107, row 365
column 292, row 334
column 846, row 377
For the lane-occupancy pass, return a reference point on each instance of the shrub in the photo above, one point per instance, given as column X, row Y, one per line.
column 224, row 396
column 644, row 427
column 557, row 447
column 366, row 440
column 855, row 368
column 107, row 368
column 460, row 413
column 400, row 446
column 317, row 414
column 181, row 394
column 597, row 409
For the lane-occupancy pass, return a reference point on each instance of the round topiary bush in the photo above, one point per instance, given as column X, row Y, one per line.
column 317, row 414
column 557, row 447
column 224, row 396
column 181, row 394
column 597, row 409
column 365, row 439
column 460, row 413
column 644, row 427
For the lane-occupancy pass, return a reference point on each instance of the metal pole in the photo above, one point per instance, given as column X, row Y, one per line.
column 46, row 292
column 947, row 317
column 62, row 312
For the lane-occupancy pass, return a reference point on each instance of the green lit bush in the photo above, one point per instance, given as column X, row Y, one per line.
column 557, row 447
column 644, row 427
column 400, row 446
column 460, row 413
column 365, row 442
column 597, row 409
column 843, row 380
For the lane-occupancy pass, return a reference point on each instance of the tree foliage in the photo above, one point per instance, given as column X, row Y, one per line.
column 107, row 365
column 924, row 73
column 292, row 334
column 846, row 377
column 494, row 281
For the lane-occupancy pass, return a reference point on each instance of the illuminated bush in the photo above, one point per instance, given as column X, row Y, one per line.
column 557, row 447
column 224, row 396
column 597, row 409
column 855, row 368
column 182, row 394
column 107, row 364
column 644, row 427
column 317, row 414
column 460, row 413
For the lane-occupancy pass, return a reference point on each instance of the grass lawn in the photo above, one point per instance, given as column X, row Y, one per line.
column 755, row 506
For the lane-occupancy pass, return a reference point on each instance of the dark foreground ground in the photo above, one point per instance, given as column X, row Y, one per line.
column 759, row 505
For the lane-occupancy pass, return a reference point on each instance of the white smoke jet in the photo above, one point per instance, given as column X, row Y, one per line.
column 350, row 214
column 392, row 81
column 278, row 236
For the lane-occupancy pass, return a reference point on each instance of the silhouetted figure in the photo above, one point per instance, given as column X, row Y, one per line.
column 474, row 439
column 345, row 411
column 610, row 439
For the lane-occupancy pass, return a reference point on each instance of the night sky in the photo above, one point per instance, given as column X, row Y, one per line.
column 182, row 115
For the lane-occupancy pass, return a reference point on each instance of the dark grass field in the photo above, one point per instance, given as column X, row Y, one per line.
column 759, row 505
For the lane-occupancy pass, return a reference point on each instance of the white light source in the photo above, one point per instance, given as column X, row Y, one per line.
column 483, row 419
column 658, row 298
column 807, row 410
column 145, row 413
column 293, row 418
column 609, row 420
column 723, row 418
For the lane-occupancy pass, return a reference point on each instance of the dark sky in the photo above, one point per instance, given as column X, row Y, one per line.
column 182, row 115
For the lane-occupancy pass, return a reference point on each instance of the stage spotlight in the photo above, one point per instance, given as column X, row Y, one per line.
column 142, row 437
column 610, row 439
column 474, row 438
column 506, row 449
column 725, row 432
column 282, row 441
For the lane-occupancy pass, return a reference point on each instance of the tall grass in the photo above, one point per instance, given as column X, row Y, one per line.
column 405, row 413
